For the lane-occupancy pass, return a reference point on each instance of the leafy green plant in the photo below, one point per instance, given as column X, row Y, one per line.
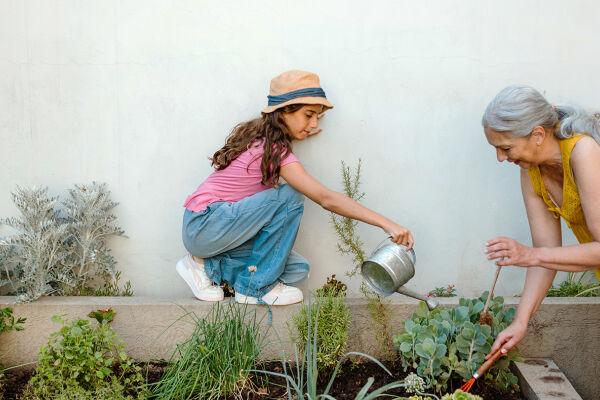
column 349, row 243
column 60, row 248
column 332, row 332
column 444, row 342
column 8, row 322
column 448, row 291
column 575, row 286
column 85, row 359
column 215, row 361
column 302, row 383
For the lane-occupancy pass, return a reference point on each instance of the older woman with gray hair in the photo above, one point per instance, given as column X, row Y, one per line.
column 557, row 148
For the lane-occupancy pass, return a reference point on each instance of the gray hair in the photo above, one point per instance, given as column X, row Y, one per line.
column 517, row 109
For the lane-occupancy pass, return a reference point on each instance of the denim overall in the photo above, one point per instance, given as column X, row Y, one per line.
column 258, row 230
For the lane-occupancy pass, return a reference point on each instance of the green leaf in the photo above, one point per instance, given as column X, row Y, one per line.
column 440, row 351
column 406, row 347
column 424, row 349
column 478, row 307
column 468, row 333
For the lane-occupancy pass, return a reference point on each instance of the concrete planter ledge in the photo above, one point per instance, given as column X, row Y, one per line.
column 541, row 379
column 566, row 330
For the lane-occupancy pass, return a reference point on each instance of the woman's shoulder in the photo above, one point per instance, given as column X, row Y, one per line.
column 585, row 150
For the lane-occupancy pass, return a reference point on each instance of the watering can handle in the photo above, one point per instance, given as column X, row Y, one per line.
column 411, row 251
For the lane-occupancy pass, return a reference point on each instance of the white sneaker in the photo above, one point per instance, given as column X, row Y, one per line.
column 193, row 274
column 280, row 295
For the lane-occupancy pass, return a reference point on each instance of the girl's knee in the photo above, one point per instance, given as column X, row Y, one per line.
column 291, row 195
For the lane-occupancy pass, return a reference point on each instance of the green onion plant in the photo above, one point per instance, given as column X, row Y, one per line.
column 216, row 360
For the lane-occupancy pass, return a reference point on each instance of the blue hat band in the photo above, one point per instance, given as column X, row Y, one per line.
column 308, row 92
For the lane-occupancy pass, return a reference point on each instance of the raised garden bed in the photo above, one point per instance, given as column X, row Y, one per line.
column 346, row 385
column 538, row 378
column 564, row 329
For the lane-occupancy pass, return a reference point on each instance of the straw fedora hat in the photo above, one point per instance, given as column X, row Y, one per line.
column 296, row 87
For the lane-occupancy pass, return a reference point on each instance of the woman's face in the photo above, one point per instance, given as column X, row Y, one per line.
column 303, row 121
column 520, row 151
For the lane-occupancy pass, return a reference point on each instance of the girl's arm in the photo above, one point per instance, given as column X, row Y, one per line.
column 585, row 163
column 545, row 231
column 295, row 175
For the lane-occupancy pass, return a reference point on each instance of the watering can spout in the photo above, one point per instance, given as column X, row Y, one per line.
column 431, row 304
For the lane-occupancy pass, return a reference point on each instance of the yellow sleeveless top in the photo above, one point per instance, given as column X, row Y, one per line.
column 571, row 210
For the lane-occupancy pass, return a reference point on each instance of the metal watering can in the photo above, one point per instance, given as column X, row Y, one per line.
column 389, row 267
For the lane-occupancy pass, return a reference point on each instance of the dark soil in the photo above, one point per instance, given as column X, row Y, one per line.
column 346, row 385
column 14, row 381
column 354, row 376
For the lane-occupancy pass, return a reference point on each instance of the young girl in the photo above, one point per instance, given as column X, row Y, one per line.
column 240, row 224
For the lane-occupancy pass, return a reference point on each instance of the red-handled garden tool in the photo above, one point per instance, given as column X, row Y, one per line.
column 482, row 370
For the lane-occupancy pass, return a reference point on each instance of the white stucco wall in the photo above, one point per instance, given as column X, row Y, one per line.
column 139, row 93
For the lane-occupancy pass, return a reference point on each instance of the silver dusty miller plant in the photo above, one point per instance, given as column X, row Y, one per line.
column 59, row 247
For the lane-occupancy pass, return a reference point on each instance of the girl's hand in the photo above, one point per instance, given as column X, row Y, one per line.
column 509, row 338
column 315, row 131
column 318, row 130
column 512, row 252
column 400, row 235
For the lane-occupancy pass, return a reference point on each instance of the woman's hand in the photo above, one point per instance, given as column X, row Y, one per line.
column 509, row 338
column 510, row 252
column 400, row 235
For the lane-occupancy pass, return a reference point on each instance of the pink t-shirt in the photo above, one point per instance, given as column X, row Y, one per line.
column 241, row 178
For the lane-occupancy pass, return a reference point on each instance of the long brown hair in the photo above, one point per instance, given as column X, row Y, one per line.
column 272, row 129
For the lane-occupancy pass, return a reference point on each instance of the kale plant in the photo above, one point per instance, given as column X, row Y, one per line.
column 444, row 342
column 58, row 247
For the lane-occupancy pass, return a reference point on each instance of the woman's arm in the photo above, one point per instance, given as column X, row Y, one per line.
column 545, row 231
column 295, row 175
column 585, row 164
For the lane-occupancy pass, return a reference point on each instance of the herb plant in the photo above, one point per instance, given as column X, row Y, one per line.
column 349, row 243
column 575, row 286
column 332, row 331
column 8, row 322
column 60, row 248
column 85, row 359
column 444, row 342
column 215, row 361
